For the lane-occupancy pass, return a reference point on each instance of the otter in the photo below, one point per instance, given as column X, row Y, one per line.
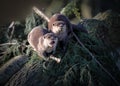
column 42, row 41
column 60, row 17
column 61, row 27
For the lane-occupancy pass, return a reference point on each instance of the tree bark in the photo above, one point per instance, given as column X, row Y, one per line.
column 11, row 67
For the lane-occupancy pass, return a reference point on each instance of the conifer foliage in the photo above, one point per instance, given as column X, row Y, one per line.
column 77, row 67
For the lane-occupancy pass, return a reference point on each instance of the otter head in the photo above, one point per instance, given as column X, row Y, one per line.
column 59, row 27
column 50, row 40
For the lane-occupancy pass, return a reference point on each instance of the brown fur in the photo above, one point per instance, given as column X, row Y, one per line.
column 59, row 17
column 60, row 20
column 57, row 20
column 41, row 41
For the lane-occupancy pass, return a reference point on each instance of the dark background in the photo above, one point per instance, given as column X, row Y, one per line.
column 18, row 9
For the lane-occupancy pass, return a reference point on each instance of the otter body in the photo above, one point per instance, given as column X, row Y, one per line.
column 61, row 27
column 42, row 41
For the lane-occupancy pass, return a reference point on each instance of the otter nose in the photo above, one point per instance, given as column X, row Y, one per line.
column 61, row 25
column 60, row 29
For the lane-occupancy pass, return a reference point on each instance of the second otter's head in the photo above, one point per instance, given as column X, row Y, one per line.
column 59, row 27
column 59, row 23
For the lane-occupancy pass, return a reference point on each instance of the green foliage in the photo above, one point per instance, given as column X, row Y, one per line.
column 71, row 10
column 76, row 67
column 32, row 20
column 112, row 20
column 12, row 46
column 18, row 40
column 3, row 37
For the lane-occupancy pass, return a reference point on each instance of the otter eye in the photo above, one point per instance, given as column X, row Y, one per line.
column 53, row 24
column 49, row 37
column 44, row 37
column 55, row 36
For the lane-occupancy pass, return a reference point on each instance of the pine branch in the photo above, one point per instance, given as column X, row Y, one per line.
column 12, row 29
column 56, row 59
column 8, row 44
column 40, row 13
column 11, row 67
column 47, row 19
column 95, row 59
